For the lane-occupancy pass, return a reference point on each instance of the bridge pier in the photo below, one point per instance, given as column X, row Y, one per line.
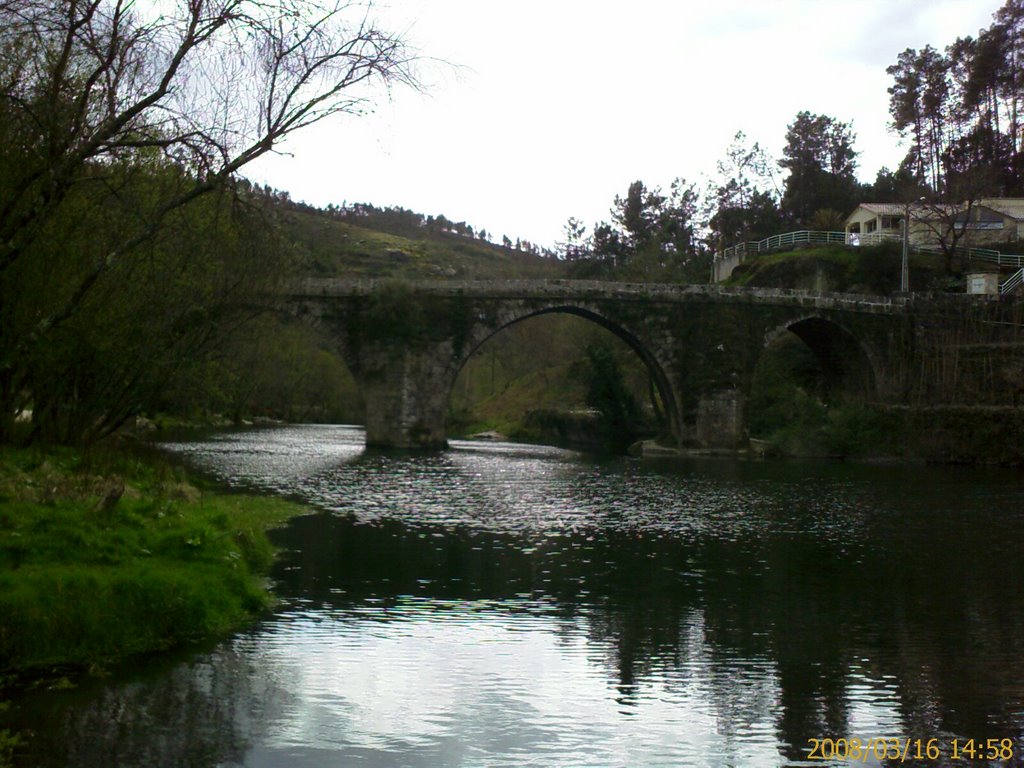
column 406, row 397
column 720, row 422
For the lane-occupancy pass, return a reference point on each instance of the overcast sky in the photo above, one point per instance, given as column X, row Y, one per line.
column 555, row 106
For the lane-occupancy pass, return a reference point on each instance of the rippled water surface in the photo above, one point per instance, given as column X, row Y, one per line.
column 508, row 605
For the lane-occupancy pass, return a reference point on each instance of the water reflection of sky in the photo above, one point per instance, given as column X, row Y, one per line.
column 476, row 685
column 497, row 604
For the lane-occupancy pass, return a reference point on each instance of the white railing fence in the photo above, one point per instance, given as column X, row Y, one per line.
column 775, row 242
column 1013, row 282
column 977, row 254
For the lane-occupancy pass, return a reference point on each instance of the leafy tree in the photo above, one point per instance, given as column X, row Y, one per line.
column 758, row 218
column 822, row 164
column 607, row 393
column 607, row 244
column 652, row 235
column 574, row 246
column 742, row 201
column 146, row 317
column 896, row 187
column 960, row 109
column 905, row 96
column 676, row 230
column 637, row 215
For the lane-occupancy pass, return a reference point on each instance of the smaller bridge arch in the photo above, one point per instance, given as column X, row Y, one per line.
column 846, row 361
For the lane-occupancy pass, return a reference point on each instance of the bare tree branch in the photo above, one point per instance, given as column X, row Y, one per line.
column 215, row 84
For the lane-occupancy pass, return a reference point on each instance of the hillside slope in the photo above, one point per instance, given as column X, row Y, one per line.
column 330, row 245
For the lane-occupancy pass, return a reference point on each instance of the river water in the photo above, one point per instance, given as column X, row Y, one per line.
column 510, row 605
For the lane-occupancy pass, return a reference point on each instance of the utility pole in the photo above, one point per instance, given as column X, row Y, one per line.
column 904, row 266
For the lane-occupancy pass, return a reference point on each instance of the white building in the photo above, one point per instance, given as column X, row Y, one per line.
column 983, row 222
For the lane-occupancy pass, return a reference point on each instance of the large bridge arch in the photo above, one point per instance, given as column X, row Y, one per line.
column 655, row 364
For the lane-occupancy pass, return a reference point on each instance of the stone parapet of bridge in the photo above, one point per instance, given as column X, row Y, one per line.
column 602, row 290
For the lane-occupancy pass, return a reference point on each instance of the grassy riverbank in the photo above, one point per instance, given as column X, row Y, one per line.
column 105, row 555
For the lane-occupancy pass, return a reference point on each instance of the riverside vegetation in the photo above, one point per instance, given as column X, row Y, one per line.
column 105, row 554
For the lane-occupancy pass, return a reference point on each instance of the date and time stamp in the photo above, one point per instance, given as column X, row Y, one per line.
column 912, row 751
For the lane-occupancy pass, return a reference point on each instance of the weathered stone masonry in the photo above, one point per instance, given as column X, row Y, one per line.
column 406, row 342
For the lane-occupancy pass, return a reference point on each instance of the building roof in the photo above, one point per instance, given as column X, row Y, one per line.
column 935, row 210
column 1007, row 206
column 883, row 209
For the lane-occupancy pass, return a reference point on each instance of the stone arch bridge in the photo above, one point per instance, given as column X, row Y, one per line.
column 405, row 342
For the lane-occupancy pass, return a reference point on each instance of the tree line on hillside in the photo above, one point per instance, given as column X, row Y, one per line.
column 397, row 220
column 673, row 235
column 959, row 110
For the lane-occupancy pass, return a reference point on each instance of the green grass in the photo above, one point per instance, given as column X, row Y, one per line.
column 330, row 247
column 87, row 577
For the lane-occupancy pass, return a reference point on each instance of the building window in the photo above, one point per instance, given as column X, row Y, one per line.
column 871, row 226
column 892, row 222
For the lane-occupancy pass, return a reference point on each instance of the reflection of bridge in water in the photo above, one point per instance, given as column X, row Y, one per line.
column 405, row 342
